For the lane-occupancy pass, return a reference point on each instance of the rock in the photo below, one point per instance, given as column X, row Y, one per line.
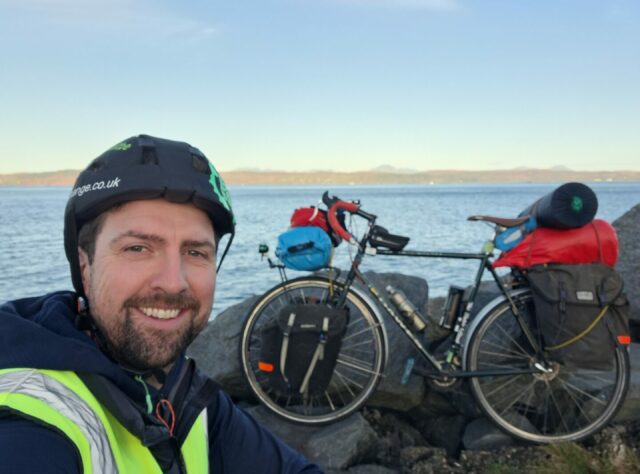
column 394, row 434
column 631, row 407
column 424, row 460
column 435, row 403
column 371, row 469
column 628, row 228
column 364, row 469
column 217, row 348
column 390, row 393
column 481, row 434
column 444, row 432
column 294, row 434
column 508, row 460
column 342, row 444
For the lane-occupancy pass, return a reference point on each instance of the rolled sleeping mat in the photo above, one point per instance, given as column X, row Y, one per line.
column 569, row 206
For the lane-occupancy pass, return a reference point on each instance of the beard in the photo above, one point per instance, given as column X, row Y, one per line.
column 142, row 348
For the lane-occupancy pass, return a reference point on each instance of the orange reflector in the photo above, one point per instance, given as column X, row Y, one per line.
column 265, row 366
column 625, row 340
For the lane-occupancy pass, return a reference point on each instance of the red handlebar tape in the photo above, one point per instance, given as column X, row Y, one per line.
column 333, row 220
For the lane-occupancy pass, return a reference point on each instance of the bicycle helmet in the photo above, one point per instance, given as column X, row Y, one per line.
column 139, row 168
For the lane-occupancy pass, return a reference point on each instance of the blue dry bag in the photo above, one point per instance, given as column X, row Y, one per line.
column 513, row 236
column 304, row 248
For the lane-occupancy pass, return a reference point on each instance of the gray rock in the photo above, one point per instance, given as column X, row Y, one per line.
column 444, row 432
column 631, row 407
column 394, row 434
column 294, row 434
column 481, row 434
column 435, row 403
column 364, row 469
column 628, row 228
column 424, row 460
column 217, row 348
column 342, row 444
column 371, row 469
column 390, row 393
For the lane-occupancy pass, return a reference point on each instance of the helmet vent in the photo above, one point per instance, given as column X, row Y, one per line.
column 149, row 156
column 96, row 165
column 200, row 164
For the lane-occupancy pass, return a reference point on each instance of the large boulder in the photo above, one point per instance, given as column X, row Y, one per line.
column 217, row 348
column 391, row 393
column 631, row 407
column 342, row 444
column 628, row 228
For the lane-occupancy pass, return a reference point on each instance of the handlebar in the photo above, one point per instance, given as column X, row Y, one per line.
column 334, row 204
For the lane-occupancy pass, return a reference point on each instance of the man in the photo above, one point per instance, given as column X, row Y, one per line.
column 97, row 380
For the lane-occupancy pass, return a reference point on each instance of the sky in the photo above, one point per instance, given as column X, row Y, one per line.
column 345, row 85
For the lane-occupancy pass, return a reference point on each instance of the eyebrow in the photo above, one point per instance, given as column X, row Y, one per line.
column 160, row 240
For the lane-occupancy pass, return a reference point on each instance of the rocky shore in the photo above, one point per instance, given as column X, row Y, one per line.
column 416, row 428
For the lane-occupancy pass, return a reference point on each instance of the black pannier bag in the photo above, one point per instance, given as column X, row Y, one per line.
column 581, row 312
column 300, row 348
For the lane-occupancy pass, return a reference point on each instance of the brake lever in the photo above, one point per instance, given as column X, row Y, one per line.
column 328, row 200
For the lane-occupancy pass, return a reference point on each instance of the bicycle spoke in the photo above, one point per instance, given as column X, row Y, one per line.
column 577, row 403
column 582, row 392
column 357, row 344
column 331, row 404
column 511, row 339
column 558, row 408
column 364, row 331
column 348, row 379
column 357, row 367
column 507, row 350
column 517, row 397
column 564, row 403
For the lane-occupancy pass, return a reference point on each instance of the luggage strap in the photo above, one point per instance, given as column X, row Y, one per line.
column 317, row 355
column 583, row 333
column 285, row 345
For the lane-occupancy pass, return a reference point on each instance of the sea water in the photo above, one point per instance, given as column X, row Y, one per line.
column 32, row 259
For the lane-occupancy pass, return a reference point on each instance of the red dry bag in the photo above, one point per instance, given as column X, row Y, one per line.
column 595, row 242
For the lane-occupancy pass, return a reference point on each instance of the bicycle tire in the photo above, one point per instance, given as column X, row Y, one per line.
column 569, row 404
column 360, row 360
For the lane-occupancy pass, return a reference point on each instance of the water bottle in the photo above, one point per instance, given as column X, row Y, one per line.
column 407, row 309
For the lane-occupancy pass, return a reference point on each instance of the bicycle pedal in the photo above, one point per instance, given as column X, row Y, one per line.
column 408, row 369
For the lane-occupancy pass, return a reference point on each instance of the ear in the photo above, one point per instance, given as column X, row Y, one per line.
column 85, row 270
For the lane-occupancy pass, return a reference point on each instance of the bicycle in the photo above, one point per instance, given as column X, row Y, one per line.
column 518, row 386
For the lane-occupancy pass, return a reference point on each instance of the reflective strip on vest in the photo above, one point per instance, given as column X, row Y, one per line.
column 46, row 389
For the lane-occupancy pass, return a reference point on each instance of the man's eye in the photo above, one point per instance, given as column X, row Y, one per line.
column 198, row 253
column 135, row 248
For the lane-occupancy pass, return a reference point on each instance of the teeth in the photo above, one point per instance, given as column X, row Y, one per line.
column 159, row 313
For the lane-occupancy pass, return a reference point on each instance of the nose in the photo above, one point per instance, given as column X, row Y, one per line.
column 170, row 275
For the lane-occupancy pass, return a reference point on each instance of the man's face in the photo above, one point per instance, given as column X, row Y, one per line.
column 150, row 286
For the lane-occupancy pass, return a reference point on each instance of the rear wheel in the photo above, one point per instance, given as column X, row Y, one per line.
column 564, row 403
column 360, row 361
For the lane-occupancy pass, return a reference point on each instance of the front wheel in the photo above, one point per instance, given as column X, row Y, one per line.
column 360, row 362
column 565, row 403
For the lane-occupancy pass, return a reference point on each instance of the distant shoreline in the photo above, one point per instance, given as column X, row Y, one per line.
column 315, row 178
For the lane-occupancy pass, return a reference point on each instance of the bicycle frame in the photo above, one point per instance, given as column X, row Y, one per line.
column 448, row 369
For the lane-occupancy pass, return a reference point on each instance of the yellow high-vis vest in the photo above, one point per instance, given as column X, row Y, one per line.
column 61, row 400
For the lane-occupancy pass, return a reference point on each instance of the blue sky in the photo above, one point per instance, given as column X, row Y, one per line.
column 324, row 84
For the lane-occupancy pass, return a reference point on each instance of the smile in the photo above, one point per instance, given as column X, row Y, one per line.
column 160, row 313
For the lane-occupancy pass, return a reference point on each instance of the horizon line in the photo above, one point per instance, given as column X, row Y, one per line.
column 398, row 171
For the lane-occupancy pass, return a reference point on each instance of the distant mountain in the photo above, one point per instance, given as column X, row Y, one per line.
column 49, row 178
column 396, row 176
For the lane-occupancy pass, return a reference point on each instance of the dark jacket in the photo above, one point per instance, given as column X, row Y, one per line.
column 40, row 333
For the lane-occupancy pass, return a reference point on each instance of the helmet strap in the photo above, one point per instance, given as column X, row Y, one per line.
column 226, row 249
